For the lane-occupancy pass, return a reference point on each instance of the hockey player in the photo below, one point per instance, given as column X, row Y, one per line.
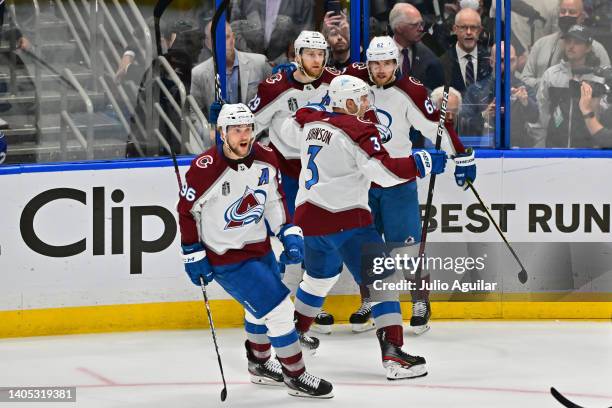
column 400, row 105
column 341, row 154
column 229, row 191
column 278, row 97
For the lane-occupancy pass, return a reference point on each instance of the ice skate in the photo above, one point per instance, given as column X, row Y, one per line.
column 399, row 364
column 268, row 373
column 361, row 320
column 323, row 323
column 309, row 386
column 421, row 312
column 308, row 343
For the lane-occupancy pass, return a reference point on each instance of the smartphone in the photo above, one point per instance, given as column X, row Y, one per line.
column 334, row 6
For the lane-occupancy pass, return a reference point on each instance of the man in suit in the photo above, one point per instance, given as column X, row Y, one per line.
column 244, row 71
column 466, row 62
column 415, row 59
column 267, row 26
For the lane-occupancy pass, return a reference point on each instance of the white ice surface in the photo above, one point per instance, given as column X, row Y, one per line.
column 471, row 364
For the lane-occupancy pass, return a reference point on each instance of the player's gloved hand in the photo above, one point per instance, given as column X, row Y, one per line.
column 2, row 147
column 196, row 264
column 465, row 167
column 293, row 241
column 287, row 68
column 427, row 162
column 215, row 108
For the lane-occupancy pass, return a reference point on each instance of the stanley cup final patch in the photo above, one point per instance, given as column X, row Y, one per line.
column 293, row 105
column 225, row 188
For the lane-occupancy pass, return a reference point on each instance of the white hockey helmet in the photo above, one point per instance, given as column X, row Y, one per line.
column 345, row 87
column 235, row 114
column 310, row 39
column 382, row 49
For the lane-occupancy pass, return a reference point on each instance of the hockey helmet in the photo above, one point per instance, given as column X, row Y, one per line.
column 310, row 39
column 235, row 114
column 345, row 87
column 382, row 49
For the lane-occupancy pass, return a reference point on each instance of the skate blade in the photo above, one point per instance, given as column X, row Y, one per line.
column 260, row 380
column 321, row 328
column 297, row 393
column 418, row 330
column 396, row 372
column 363, row 327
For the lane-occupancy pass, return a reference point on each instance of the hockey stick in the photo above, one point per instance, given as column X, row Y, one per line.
column 564, row 401
column 160, row 7
column 522, row 275
column 432, row 181
column 213, row 28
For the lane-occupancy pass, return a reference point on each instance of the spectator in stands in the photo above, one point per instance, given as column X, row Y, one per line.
column 244, row 72
column 335, row 28
column 548, row 50
column 597, row 122
column 443, row 29
column 24, row 21
column 560, row 91
column 453, row 106
column 132, row 65
column 415, row 59
column 267, row 26
column 478, row 114
column 540, row 16
column 466, row 62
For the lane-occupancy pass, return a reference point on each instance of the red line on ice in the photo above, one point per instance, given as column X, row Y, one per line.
column 105, row 380
column 354, row 384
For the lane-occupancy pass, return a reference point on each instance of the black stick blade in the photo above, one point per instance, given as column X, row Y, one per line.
column 223, row 394
column 564, row 401
column 522, row 276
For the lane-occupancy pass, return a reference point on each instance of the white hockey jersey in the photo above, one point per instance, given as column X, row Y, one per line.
column 403, row 104
column 340, row 156
column 279, row 97
column 224, row 203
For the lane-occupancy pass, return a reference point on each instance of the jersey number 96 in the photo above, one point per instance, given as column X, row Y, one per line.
column 188, row 192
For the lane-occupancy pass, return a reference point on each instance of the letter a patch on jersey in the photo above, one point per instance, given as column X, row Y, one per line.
column 264, row 178
column 247, row 209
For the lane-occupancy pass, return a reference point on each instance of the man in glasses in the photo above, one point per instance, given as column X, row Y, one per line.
column 415, row 59
column 466, row 63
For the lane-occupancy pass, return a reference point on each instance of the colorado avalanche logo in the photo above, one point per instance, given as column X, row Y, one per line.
column 384, row 125
column 247, row 209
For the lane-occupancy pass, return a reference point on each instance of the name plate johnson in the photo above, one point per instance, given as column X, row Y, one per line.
column 37, row 394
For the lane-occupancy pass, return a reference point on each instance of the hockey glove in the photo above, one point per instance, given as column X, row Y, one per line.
column 288, row 68
column 465, row 168
column 293, row 242
column 196, row 264
column 432, row 162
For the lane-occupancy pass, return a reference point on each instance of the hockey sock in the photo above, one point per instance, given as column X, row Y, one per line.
column 302, row 322
column 289, row 353
column 388, row 317
column 394, row 335
column 365, row 292
column 258, row 341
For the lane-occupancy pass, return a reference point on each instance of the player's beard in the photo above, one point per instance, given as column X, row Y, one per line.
column 313, row 74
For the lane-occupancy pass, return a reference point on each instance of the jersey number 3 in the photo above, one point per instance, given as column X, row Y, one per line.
column 313, row 150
